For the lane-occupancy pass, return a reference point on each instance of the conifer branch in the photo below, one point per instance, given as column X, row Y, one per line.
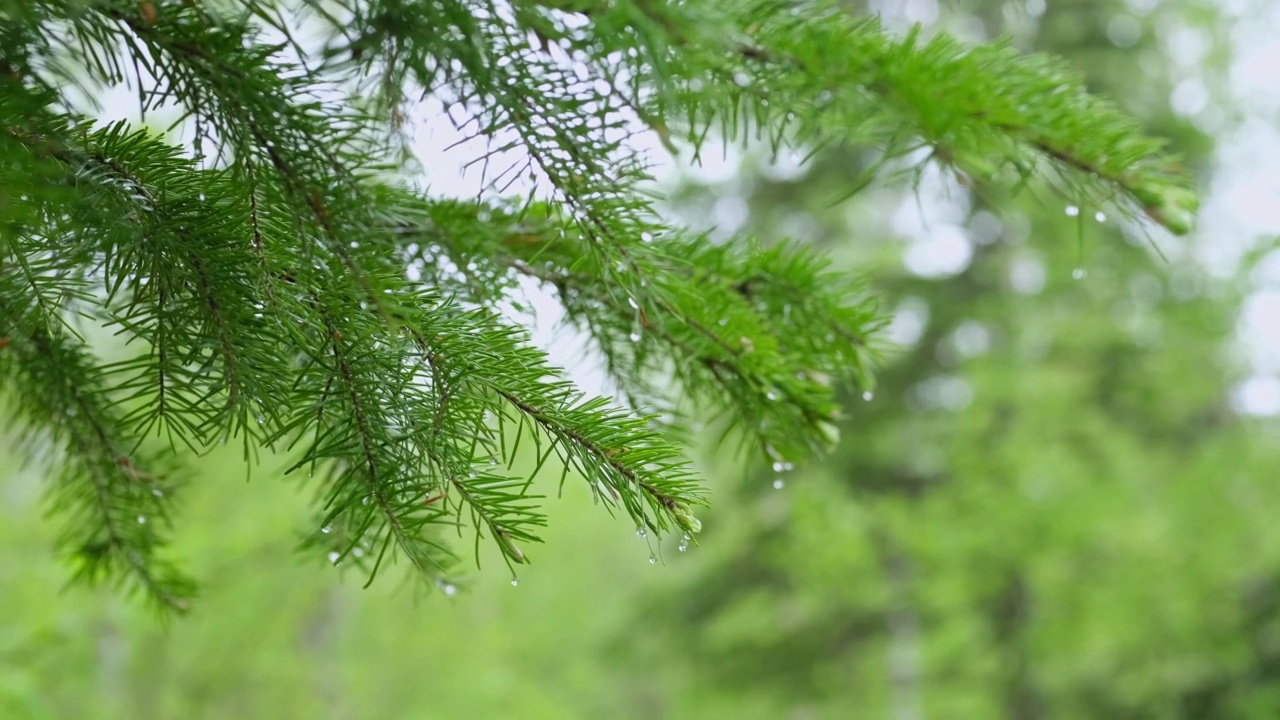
column 278, row 281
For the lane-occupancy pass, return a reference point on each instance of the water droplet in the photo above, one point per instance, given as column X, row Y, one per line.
column 365, row 501
column 724, row 321
column 1100, row 216
column 684, row 543
column 333, row 557
column 515, row 582
column 779, row 466
column 632, row 302
column 771, row 395
column 1072, row 211
column 142, row 519
column 450, row 589
column 653, row 560
column 778, row 483
column 261, row 419
column 358, row 552
column 868, row 395
column 646, row 237
column 1079, row 273
column 641, row 532
column 635, row 336
column 326, row 529
column 157, row 492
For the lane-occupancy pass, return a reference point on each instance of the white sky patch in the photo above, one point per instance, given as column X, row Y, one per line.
column 1258, row 396
column 943, row 252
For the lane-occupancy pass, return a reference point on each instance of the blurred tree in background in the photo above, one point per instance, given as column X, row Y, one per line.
column 1048, row 509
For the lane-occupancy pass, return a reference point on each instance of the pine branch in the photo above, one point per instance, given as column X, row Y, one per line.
column 278, row 282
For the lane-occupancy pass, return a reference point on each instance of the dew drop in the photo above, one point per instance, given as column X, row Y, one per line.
column 333, row 557
column 515, row 582
column 684, row 543
column 635, row 336
column 450, row 589
column 653, row 560
column 358, row 552
column 261, row 419
column 142, row 519
column 1079, row 273
column 1100, row 216
column 771, row 395
column 778, row 483
column 326, row 529
column 632, row 302
column 1072, row 211
column 779, row 466
column 641, row 532
column 157, row 492
column 867, row 395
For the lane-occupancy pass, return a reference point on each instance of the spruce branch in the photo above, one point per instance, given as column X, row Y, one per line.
column 279, row 281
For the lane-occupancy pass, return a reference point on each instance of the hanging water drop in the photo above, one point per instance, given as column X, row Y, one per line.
column 632, row 302
column 142, row 519
column 867, row 395
column 326, row 529
column 515, row 582
column 684, row 543
column 358, row 552
column 1100, row 216
column 1072, row 211
column 779, row 466
column 635, row 336
column 261, row 419
column 1079, row 273
column 653, row 560
column 333, row 557
column 641, row 532
column 771, row 395
column 450, row 589
column 778, row 483
column 157, row 492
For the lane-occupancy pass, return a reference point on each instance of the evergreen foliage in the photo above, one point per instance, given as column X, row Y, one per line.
column 286, row 284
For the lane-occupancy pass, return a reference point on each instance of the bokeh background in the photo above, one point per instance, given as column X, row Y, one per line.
column 1062, row 500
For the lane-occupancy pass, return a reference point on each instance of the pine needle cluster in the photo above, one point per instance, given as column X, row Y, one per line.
column 278, row 279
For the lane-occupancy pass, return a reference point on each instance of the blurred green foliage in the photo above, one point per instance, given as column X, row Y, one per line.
column 1048, row 509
